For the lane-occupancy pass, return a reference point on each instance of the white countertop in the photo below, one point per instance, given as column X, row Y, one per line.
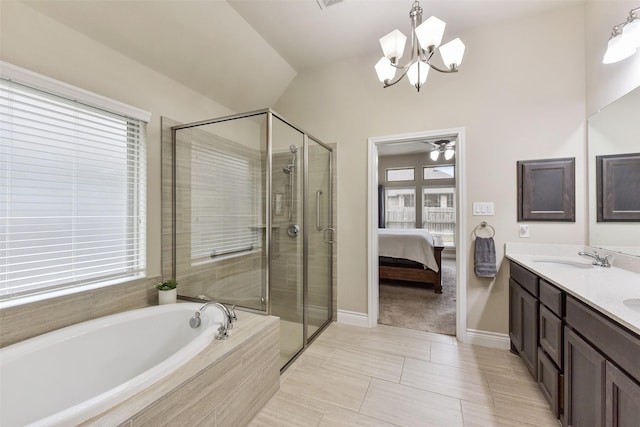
column 604, row 289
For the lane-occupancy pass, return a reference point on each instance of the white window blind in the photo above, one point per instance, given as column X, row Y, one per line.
column 224, row 202
column 72, row 193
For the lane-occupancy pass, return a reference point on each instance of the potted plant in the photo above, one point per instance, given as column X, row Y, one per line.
column 167, row 292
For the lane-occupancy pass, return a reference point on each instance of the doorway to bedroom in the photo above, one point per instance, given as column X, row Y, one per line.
column 417, row 231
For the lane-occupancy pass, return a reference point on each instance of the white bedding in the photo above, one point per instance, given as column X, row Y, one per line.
column 413, row 244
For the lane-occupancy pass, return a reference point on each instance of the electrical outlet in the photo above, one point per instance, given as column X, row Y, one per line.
column 524, row 230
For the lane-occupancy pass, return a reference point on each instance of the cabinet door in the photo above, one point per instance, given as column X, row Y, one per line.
column 549, row 379
column 529, row 319
column 551, row 334
column 622, row 397
column 584, row 370
column 515, row 316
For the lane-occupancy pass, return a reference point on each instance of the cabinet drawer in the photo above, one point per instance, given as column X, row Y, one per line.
column 617, row 343
column 550, row 382
column 550, row 331
column 525, row 278
column 552, row 297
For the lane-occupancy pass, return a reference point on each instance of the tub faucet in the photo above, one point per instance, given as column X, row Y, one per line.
column 228, row 315
column 597, row 259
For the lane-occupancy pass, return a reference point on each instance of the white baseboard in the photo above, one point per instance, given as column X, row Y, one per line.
column 353, row 318
column 488, row 339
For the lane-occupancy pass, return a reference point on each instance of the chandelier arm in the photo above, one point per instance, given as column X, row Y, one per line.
column 442, row 70
column 388, row 83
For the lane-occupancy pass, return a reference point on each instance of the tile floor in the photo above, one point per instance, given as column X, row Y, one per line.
column 388, row 376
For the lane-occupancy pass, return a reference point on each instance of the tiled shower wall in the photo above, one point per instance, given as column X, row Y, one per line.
column 237, row 277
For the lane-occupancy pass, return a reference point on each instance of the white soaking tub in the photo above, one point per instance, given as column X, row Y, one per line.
column 67, row 376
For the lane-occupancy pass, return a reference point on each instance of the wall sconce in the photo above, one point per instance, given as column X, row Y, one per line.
column 625, row 39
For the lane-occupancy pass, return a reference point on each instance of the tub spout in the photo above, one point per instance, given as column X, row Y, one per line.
column 228, row 315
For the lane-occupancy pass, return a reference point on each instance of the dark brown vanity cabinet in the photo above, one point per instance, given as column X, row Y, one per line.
column 584, row 381
column 523, row 316
column 586, row 364
column 602, row 366
column 536, row 309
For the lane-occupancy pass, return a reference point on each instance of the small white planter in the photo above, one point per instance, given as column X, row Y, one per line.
column 168, row 297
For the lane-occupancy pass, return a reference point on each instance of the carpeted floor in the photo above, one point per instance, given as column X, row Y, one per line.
column 416, row 306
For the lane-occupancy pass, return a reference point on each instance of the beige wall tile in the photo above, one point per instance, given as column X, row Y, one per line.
column 29, row 320
column 239, row 407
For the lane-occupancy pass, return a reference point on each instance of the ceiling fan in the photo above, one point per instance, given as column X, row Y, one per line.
column 444, row 146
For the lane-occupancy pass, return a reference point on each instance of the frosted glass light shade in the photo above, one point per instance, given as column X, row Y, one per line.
column 412, row 74
column 393, row 44
column 631, row 33
column 434, row 155
column 385, row 70
column 452, row 53
column 430, row 32
column 617, row 50
column 448, row 154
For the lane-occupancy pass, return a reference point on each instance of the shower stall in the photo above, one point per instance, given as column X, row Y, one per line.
column 252, row 220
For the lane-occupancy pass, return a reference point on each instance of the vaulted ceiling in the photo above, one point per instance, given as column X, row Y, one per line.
column 244, row 53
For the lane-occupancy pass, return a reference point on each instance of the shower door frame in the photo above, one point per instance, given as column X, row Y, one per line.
column 305, row 295
column 268, row 214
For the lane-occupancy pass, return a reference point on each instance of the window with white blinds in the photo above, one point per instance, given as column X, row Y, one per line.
column 72, row 193
column 224, row 201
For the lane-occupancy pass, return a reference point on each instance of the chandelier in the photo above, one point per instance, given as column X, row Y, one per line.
column 425, row 39
column 625, row 39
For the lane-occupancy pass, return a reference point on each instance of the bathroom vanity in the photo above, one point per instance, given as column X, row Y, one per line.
column 577, row 329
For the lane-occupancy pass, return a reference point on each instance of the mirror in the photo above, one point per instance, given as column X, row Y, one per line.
column 613, row 130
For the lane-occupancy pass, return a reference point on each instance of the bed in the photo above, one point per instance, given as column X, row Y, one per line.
column 411, row 255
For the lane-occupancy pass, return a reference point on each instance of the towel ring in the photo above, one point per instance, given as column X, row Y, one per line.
column 484, row 225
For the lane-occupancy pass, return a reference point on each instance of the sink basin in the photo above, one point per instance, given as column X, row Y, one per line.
column 632, row 303
column 564, row 263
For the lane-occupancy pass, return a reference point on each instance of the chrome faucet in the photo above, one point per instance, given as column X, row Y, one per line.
column 597, row 259
column 228, row 314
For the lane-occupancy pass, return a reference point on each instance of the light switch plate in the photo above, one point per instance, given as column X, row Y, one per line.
column 524, row 230
column 483, row 208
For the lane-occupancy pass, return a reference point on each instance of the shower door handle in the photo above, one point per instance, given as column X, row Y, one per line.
column 318, row 194
column 327, row 235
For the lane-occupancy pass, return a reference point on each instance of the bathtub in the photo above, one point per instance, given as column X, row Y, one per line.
column 67, row 376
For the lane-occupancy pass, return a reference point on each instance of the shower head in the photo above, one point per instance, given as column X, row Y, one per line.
column 293, row 149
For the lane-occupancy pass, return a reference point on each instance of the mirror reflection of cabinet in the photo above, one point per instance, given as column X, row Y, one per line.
column 618, row 187
column 613, row 131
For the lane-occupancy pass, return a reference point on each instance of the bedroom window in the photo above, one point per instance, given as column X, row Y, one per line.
column 438, row 172
column 439, row 213
column 72, row 190
column 401, row 174
column 400, row 206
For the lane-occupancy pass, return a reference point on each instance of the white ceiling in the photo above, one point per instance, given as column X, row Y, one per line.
column 244, row 53
column 308, row 36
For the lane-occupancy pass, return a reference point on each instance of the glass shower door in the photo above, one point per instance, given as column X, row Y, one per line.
column 319, row 235
column 286, row 271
